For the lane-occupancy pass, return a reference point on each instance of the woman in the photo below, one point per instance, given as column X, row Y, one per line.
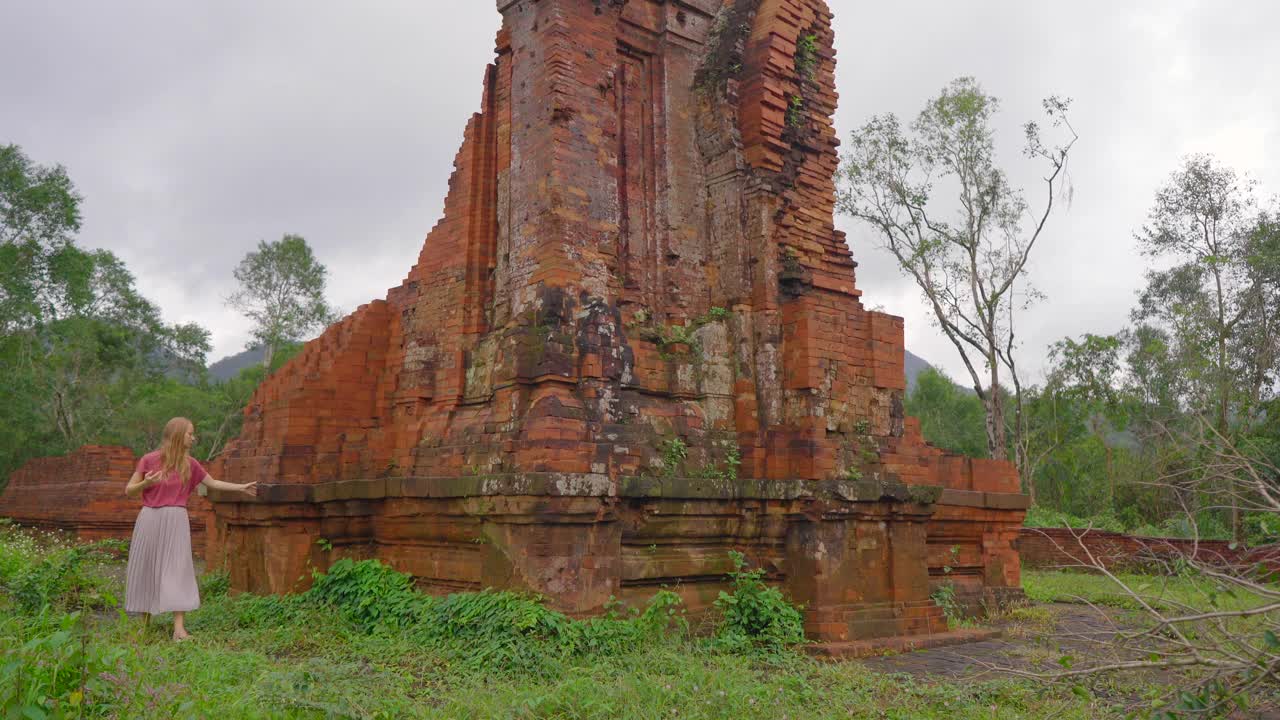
column 161, row 577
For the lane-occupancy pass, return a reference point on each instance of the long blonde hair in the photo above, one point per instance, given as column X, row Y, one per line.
column 173, row 447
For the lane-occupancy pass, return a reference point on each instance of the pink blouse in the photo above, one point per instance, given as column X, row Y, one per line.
column 170, row 492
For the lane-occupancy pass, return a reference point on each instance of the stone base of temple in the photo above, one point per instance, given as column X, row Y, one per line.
column 980, row 602
column 973, row 557
column 855, row 555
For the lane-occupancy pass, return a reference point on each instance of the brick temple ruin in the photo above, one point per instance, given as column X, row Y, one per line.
column 632, row 344
column 82, row 493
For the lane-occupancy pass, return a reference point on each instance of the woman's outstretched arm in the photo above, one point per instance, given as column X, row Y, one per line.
column 250, row 489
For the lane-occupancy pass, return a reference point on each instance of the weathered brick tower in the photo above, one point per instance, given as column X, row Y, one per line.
column 632, row 344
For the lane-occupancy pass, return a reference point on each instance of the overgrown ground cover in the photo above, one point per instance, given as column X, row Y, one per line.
column 1160, row 592
column 364, row 644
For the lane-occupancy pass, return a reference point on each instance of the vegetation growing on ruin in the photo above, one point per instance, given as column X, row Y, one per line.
column 673, row 454
column 795, row 112
column 673, row 457
column 677, row 341
column 726, row 470
column 756, row 616
column 865, row 450
column 945, row 594
column 726, row 42
column 807, row 55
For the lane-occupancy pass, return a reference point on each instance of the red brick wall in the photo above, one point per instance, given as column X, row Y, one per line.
column 1065, row 547
column 83, row 493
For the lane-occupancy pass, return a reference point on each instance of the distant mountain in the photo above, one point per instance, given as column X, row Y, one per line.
column 228, row 367
column 914, row 365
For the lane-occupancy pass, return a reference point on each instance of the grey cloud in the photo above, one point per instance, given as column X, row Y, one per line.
column 196, row 129
column 1152, row 81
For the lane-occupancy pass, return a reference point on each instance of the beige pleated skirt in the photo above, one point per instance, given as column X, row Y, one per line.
column 161, row 576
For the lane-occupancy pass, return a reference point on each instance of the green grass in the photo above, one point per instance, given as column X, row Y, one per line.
column 329, row 654
column 316, row 668
column 322, row 670
column 1163, row 593
column 1186, row 617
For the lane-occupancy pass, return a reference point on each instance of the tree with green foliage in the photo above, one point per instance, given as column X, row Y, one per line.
column 1212, row 310
column 971, row 268
column 950, row 417
column 88, row 357
column 80, row 345
column 1067, row 463
column 1087, row 372
column 282, row 291
column 39, row 216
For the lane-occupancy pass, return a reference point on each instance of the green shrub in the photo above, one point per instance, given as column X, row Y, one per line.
column 755, row 615
column 39, row 569
column 1261, row 528
column 1207, row 526
column 367, row 593
column 214, row 584
column 616, row 633
column 674, row 451
column 58, row 580
column 248, row 612
column 15, row 556
column 489, row 630
column 55, row 671
column 945, row 597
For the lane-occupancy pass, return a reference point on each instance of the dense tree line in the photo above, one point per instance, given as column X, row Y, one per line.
column 85, row 358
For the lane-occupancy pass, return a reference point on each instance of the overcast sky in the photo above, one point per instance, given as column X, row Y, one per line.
column 194, row 130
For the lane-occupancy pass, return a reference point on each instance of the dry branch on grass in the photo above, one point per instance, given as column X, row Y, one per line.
column 1207, row 619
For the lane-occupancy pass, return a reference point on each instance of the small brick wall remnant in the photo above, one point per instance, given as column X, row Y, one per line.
column 633, row 343
column 1074, row 548
column 83, row 494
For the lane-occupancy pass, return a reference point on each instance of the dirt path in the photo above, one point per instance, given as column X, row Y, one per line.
column 1035, row 640
column 1034, row 645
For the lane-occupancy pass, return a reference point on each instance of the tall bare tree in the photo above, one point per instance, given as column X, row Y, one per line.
column 971, row 266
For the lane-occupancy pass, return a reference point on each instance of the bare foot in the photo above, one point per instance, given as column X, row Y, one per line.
column 182, row 636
